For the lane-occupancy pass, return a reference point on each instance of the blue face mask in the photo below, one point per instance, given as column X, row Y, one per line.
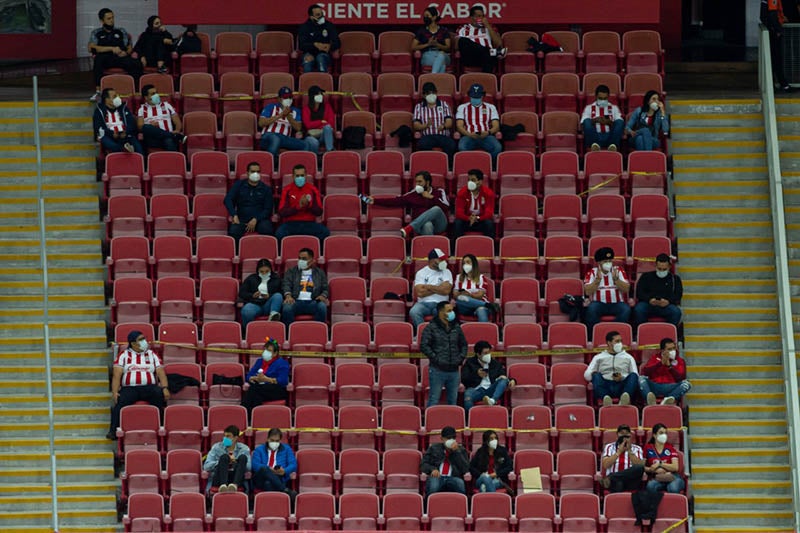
column 155, row 99
column 300, row 181
column 451, row 315
column 476, row 101
column 226, row 442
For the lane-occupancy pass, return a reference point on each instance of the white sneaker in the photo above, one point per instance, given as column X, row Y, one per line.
column 493, row 52
column 595, row 147
column 625, row 399
column 607, row 400
column 651, row 398
column 95, row 97
column 669, row 400
column 612, row 147
column 129, row 148
column 274, row 315
column 501, row 52
column 489, row 401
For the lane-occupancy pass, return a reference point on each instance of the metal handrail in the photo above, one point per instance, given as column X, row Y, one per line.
column 781, row 265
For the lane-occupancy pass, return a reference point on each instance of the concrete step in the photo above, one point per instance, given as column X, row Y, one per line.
column 70, row 459
column 66, row 357
column 758, row 371
column 60, row 387
column 703, row 313
column 737, row 518
column 733, row 357
column 698, row 300
column 51, row 163
column 59, row 372
column 741, row 455
column 50, row 108
column 65, row 501
column 56, row 315
column 26, row 137
column 688, row 121
column 61, row 287
column 722, row 188
column 730, row 286
column 48, row 150
column 22, row 188
column 744, row 440
column 764, row 503
column 61, row 414
column 77, row 517
column 60, row 304
column 691, row 255
column 94, row 230
column 699, row 108
column 717, row 174
column 728, row 412
column 746, row 228
column 718, row 133
column 55, row 260
column 776, row 472
column 15, row 400
column 721, row 385
column 86, row 203
column 67, row 444
column 59, row 246
column 41, row 429
column 723, row 214
column 734, row 427
column 54, row 273
column 743, row 159
column 731, row 146
column 739, row 488
column 722, row 325
column 58, row 341
column 77, row 122
column 713, row 246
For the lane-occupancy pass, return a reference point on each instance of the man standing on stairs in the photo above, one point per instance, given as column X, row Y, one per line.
column 658, row 293
column 664, row 375
column 773, row 18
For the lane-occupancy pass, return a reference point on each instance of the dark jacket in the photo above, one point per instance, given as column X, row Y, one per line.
column 417, row 203
column 502, row 462
column 291, row 282
column 250, row 286
column 434, row 456
column 249, row 202
column 445, row 348
column 651, row 286
column 99, row 121
column 151, row 45
column 469, row 372
column 310, row 32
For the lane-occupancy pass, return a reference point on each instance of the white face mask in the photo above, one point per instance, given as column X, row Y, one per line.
column 661, row 438
column 672, row 354
column 606, row 266
column 654, row 106
column 485, row 358
column 266, row 355
column 601, row 103
column 449, row 443
column 471, row 185
column 117, row 101
column 143, row 346
column 286, row 102
column 321, row 21
column 419, row 189
column 431, row 98
column 618, row 347
column 264, row 276
column 274, row 445
column 318, row 98
column 255, row 177
column 662, row 273
column 302, row 264
column 493, row 444
column 467, row 268
column 443, row 265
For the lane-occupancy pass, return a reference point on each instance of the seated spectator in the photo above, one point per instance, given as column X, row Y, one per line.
column 479, row 43
column 491, row 464
column 428, row 205
column 158, row 121
column 154, row 45
column 228, row 461
column 261, row 293
column 268, row 378
column 662, row 464
column 607, row 287
column 249, row 203
column 484, row 378
column 433, row 41
column 114, row 125
column 474, row 207
column 433, row 118
column 659, row 293
column 477, row 122
column 305, row 289
column 432, row 284
column 445, row 464
column 189, row 42
column 445, row 346
column 138, row 375
column 602, row 122
column 647, row 122
column 317, row 39
column 279, row 121
column 111, row 48
column 612, row 372
column 301, row 204
column 470, row 290
column 622, row 463
column 319, row 120
column 273, row 464
column 664, row 375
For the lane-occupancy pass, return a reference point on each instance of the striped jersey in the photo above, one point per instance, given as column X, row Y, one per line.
column 477, row 119
column 138, row 368
column 478, row 35
column 470, row 286
column 114, row 120
column 435, row 116
column 157, row 115
column 282, row 125
column 593, row 110
column 607, row 292
column 624, row 461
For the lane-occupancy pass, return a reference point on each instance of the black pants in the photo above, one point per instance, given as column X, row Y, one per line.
column 771, row 20
column 154, row 50
column 268, row 481
column 264, row 392
column 151, row 394
column 628, row 479
column 445, row 142
column 108, row 60
column 460, row 227
column 475, row 55
column 155, row 137
column 226, row 473
column 263, row 227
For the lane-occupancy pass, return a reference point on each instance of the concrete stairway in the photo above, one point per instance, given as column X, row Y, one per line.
column 739, row 447
column 85, row 472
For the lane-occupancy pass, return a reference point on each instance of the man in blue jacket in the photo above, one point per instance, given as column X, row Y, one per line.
column 273, row 464
column 114, row 125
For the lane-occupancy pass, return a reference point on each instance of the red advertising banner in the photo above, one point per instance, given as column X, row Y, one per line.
column 280, row 12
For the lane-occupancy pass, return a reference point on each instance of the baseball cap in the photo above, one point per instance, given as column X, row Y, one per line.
column 436, row 253
column 284, row 92
column 603, row 253
column 476, row 91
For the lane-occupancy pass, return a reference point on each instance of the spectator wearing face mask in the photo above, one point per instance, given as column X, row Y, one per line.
column 490, row 464
column 622, row 463
column 111, row 47
column 155, row 45
column 612, row 372
column 138, row 375
column 661, row 463
column 317, row 39
column 432, row 285
column 479, row 43
column 301, row 204
column 445, row 463
column 484, row 378
column 445, row 346
column 664, row 375
column 470, row 290
column 474, row 207
column 268, row 377
column 305, row 289
column 659, row 293
column 228, row 461
column 273, row 464
column 279, row 121
column 607, row 286
column 647, row 122
column 428, row 204
column 249, row 204
column 434, row 121
column 158, row 121
column 318, row 119
column 114, row 124
column 602, row 122
column 261, row 293
column 433, row 41
column 477, row 122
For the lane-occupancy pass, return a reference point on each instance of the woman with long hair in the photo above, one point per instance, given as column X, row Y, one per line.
column 470, row 290
column 647, row 122
column 662, row 464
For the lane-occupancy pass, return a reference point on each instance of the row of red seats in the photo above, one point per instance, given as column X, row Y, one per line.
column 533, row 512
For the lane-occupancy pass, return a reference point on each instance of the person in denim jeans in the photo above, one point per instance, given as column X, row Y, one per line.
column 484, row 377
column 470, row 290
column 305, row 289
column 445, row 346
column 477, row 122
column 612, row 372
column 433, row 41
column 664, row 375
column 662, row 464
column 602, row 122
column 607, row 287
column 317, row 39
column 319, row 120
column 445, row 464
column 491, row 464
column 261, row 293
column 432, row 285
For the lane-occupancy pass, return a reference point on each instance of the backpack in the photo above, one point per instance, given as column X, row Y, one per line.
column 189, row 43
column 572, row 305
column 353, row 137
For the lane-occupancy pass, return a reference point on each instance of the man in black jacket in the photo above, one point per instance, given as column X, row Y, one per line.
column 317, row 39
column 445, row 346
column 658, row 293
column 445, row 464
column 491, row 464
column 483, row 377
column 114, row 124
column 261, row 293
column 249, row 203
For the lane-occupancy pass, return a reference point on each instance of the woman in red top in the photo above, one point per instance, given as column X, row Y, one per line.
column 662, row 464
column 491, row 464
column 318, row 119
column 469, row 290
column 474, row 207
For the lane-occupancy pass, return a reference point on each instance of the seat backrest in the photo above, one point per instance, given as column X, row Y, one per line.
column 568, row 40
column 271, row 42
column 239, row 123
column 233, row 42
column 601, row 41
column 357, row 42
column 641, row 41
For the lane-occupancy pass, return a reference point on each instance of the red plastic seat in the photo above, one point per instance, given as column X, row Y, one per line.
column 385, row 255
column 397, row 382
column 218, row 297
column 210, row 215
column 401, row 424
column 391, row 121
column 643, row 52
column 601, row 51
column 606, row 215
column 341, row 215
column 359, row 85
column 439, row 416
column 142, row 473
column 258, row 330
column 384, row 173
column 347, row 297
column 124, row 174
column 384, row 221
column 315, row 470
column 271, row 510
column 222, row 416
column 612, row 416
column 239, row 89
column 166, row 172
column 599, row 168
column 650, row 215
column 569, row 385
column 265, row 417
column 567, row 335
column 132, row 300
column 388, row 310
column 196, row 62
column 196, row 91
column 555, row 289
column 358, row 512
column 672, row 509
column 536, row 512
column 518, row 214
column 184, row 427
column 577, row 470
column 579, row 513
column 560, row 92
column 145, row 513
column 353, row 337
column 445, row 86
column 233, row 51
column 224, row 395
column 184, row 471
column 274, row 51
column 610, row 79
column 358, row 422
column 291, row 246
column 263, row 159
column 575, row 425
column 124, row 86
column 190, row 394
column 169, row 213
column 518, row 58
column 447, row 511
column 637, row 84
column 187, row 511
column 518, row 256
column 421, row 245
column 618, row 510
column 531, row 383
column 434, row 162
column 308, row 337
column 602, row 328
column 560, row 62
column 359, row 471
column 645, row 250
column 271, row 82
column 491, row 511
column 315, row 511
column 311, row 383
column 528, row 139
column 647, row 171
column 394, row 49
column 239, row 130
column 223, row 335
column 354, row 383
column 366, row 120
column 533, row 458
column 650, row 334
column 519, row 299
column 519, row 91
column 559, row 173
column 515, row 172
column 229, row 511
column 669, row 415
column 531, row 425
column 487, row 416
column 252, row 248
column 563, row 255
column 138, row 428
column 200, row 128
column 560, row 131
column 562, row 214
column 341, row 171
column 126, row 217
column 401, row 477
column 357, row 51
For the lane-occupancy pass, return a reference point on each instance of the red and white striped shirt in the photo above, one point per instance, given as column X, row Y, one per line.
column 624, row 461
column 593, row 110
column 435, row 116
column 282, row 126
column 477, row 119
column 607, row 292
column 138, row 368
column 471, row 286
column 158, row 115
column 479, row 35
column 114, row 121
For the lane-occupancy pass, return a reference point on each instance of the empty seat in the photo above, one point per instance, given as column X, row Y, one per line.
column 236, row 91
column 124, row 174
column 271, row 511
column 606, row 215
column 518, row 58
column 531, row 425
column 359, row 471
column 531, row 383
column 519, row 91
column 647, row 171
column 210, row 215
column 519, row 299
column 579, row 512
column 229, row 511
column 562, row 214
column 224, row 336
column 601, row 51
column 563, row 255
column 560, row 92
column 569, row 385
column 394, row 49
column 359, row 512
column 127, row 216
column 357, row 51
column 354, row 382
column 132, row 300
column 233, row 51
column 315, row 511
column 402, row 511
column 169, row 214
column 515, row 172
column 347, row 297
column 384, row 173
column 138, row 428
column 341, row 171
column 142, row 473
column 184, row 472
column 176, row 333
column 570, row 337
column 397, row 382
column 518, row 255
column 447, row 511
column 274, row 51
column 239, row 132
column 315, row 470
column 210, row 172
column 575, row 425
column 402, row 425
column 385, row 307
column 559, row 130
column 577, row 471
column 491, row 511
column 643, row 52
column 184, row 427
column 314, row 424
column 145, row 513
column 311, row 383
column 536, row 512
column 218, row 296
column 229, row 395
column 555, row 289
column 618, row 510
column 341, row 215
column 518, row 213
column 197, row 92
column 187, row 511
column 359, row 86
column 166, row 172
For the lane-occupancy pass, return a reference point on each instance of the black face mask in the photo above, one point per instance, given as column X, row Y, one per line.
column 427, row 21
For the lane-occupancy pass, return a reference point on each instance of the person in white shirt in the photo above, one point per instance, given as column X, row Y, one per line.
column 477, row 122
column 432, row 284
column 613, row 372
column 607, row 287
column 159, row 122
column 622, row 462
column 602, row 122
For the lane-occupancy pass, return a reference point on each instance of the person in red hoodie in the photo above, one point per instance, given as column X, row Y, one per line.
column 301, row 204
column 318, row 119
column 664, row 375
column 428, row 205
column 474, row 207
